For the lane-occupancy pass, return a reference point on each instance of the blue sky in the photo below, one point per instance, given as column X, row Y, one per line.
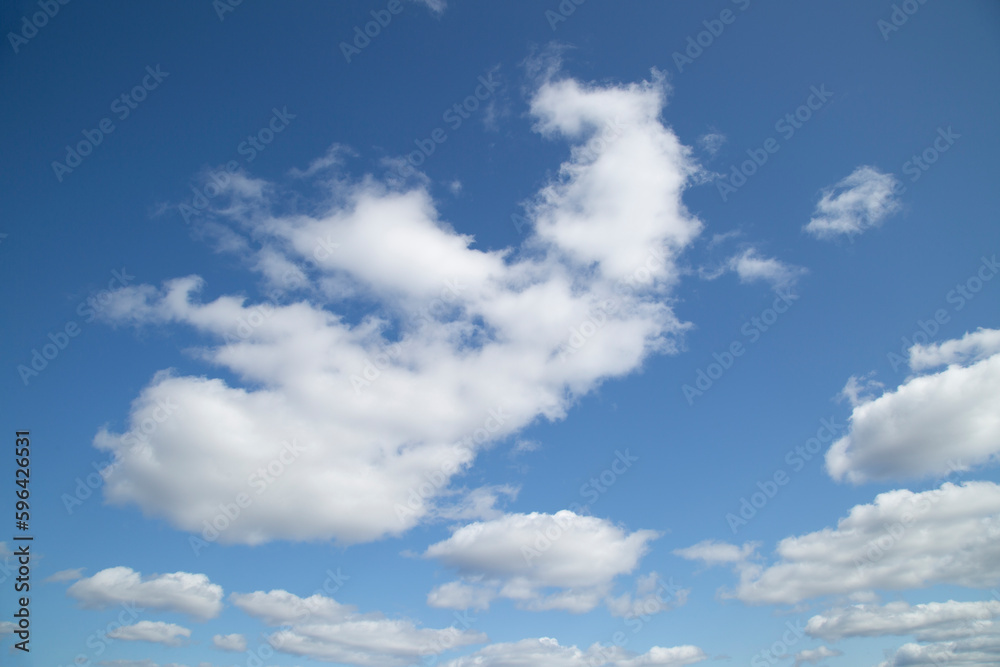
column 504, row 334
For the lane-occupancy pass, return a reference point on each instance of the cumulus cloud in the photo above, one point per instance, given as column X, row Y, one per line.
column 932, row 424
column 971, row 347
column 183, row 592
column 406, row 349
column 234, row 642
column 901, row 541
column 977, row 652
column 547, row 651
column 861, row 201
column 933, row 621
column 156, row 632
column 523, row 557
column 320, row 628
column 712, row 552
column 750, row 266
column 812, row 656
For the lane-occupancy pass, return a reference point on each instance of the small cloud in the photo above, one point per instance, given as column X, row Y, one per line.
column 722, row 238
column 814, row 655
column 861, row 201
column 334, row 157
column 752, row 267
column 156, row 632
column 65, row 575
column 436, row 6
column 711, row 142
column 711, row 552
column 234, row 642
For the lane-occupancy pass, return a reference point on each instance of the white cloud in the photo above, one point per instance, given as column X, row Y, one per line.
column 233, row 642
column 750, row 266
column 457, row 595
column 903, row 540
column 652, row 596
column 814, row 655
column 322, row 629
column 520, row 556
column 279, row 607
column 932, row 424
column 712, row 142
column 7, row 628
column 971, row 347
column 385, row 428
column 547, row 651
column 157, row 632
column 182, row 592
column 977, row 652
column 436, row 6
column 711, row 552
column 65, row 575
column 861, row 201
column 933, row 621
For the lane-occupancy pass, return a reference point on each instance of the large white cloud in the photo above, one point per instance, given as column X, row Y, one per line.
column 903, row 540
column 459, row 344
column 931, row 424
column 183, row 592
column 543, row 561
column 322, row 629
column 547, row 651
